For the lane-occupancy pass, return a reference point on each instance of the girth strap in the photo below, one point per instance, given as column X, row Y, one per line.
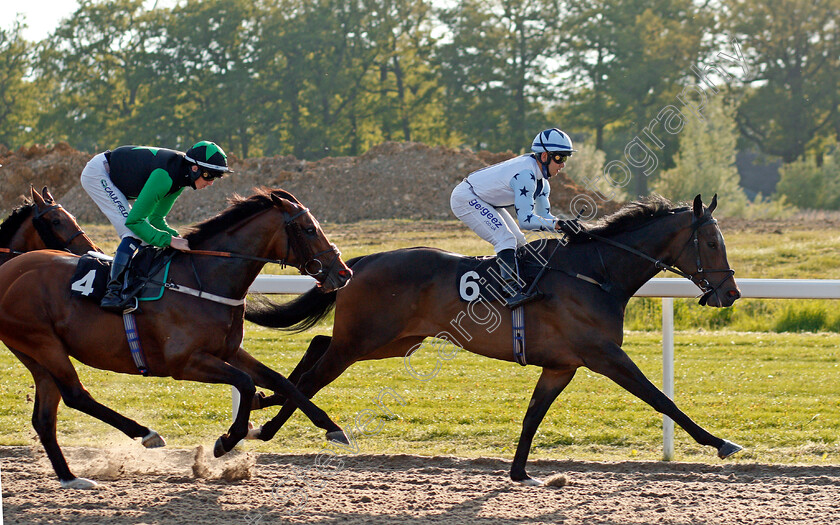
column 518, row 321
column 134, row 343
column 204, row 295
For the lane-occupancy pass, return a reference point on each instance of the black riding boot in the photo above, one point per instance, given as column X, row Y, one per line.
column 113, row 300
column 517, row 295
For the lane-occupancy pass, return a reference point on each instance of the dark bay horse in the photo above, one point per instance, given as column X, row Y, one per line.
column 184, row 337
column 398, row 298
column 41, row 224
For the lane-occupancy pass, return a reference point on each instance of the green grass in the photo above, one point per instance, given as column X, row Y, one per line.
column 775, row 393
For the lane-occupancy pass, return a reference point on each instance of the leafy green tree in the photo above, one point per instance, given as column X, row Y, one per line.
column 495, row 70
column 18, row 95
column 626, row 60
column 705, row 162
column 794, row 47
column 98, row 62
column 807, row 184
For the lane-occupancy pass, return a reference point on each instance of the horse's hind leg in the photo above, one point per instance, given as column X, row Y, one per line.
column 549, row 386
column 47, row 396
column 268, row 378
column 207, row 368
column 317, row 347
column 75, row 396
column 617, row 365
column 331, row 365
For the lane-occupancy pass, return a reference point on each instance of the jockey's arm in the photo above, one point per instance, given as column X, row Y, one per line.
column 533, row 212
column 151, row 201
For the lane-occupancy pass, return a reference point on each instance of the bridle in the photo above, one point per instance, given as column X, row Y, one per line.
column 699, row 275
column 51, row 241
column 294, row 243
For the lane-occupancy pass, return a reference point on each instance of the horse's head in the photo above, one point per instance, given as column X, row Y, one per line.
column 703, row 258
column 308, row 248
column 55, row 227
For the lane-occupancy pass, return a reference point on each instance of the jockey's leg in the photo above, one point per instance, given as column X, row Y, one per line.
column 113, row 297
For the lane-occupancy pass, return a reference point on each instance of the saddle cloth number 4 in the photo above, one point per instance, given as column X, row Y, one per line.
column 84, row 285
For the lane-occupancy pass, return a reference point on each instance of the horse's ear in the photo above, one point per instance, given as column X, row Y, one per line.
column 698, row 206
column 280, row 202
column 36, row 197
column 713, row 205
column 47, row 195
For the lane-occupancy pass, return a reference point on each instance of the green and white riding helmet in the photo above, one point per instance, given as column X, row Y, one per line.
column 210, row 158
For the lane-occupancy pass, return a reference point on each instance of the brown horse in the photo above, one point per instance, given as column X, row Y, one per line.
column 42, row 224
column 185, row 337
column 398, row 298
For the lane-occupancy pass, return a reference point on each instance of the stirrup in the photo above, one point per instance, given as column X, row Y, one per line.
column 521, row 298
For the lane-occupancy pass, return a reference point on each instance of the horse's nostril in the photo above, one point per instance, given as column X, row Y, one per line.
column 734, row 293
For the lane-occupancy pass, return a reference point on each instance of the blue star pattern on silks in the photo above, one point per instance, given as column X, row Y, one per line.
column 533, row 210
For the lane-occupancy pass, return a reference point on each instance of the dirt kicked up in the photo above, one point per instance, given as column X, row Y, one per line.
column 187, row 486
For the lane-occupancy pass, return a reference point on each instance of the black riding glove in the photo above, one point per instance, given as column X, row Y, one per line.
column 571, row 227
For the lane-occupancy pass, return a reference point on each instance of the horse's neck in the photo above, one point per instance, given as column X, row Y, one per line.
column 657, row 240
column 232, row 276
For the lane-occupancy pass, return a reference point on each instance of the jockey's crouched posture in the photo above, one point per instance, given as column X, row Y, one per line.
column 522, row 181
column 153, row 178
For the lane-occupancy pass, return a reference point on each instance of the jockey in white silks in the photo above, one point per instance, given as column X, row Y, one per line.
column 522, row 182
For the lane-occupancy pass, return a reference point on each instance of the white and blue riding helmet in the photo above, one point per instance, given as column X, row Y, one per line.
column 553, row 140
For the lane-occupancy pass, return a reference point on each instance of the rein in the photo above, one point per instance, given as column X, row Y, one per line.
column 701, row 281
column 298, row 245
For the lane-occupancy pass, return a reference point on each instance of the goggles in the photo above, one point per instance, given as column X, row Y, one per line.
column 211, row 175
column 559, row 158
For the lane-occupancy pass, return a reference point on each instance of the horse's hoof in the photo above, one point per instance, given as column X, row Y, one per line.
column 338, row 436
column 727, row 449
column 78, row 483
column 153, row 440
column 253, row 433
column 529, row 482
column 219, row 449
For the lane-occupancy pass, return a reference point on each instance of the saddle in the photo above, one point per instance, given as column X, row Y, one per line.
column 479, row 277
column 144, row 279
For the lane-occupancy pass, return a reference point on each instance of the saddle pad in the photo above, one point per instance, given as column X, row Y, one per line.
column 90, row 280
column 479, row 277
column 147, row 273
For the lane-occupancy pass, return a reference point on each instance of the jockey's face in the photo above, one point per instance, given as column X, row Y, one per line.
column 556, row 162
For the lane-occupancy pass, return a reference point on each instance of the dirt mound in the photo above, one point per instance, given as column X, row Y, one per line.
column 394, row 180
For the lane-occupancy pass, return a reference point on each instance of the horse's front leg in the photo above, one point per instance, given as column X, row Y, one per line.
column 317, row 347
column 207, row 368
column 265, row 377
column 549, row 386
column 614, row 363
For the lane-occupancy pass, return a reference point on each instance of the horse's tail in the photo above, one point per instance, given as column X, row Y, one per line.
column 299, row 315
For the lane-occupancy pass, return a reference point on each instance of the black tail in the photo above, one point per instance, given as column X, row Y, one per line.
column 299, row 315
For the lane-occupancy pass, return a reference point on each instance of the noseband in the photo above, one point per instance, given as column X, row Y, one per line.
column 46, row 233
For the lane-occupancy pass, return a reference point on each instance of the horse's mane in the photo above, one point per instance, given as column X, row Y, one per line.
column 634, row 215
column 239, row 209
column 12, row 224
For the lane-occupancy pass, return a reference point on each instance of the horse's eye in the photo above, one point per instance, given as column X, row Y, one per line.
column 310, row 231
column 56, row 222
column 711, row 244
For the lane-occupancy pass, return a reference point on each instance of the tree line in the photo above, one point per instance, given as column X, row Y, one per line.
column 313, row 78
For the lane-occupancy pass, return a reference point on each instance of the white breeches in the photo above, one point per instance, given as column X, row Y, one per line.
column 494, row 225
column 97, row 183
